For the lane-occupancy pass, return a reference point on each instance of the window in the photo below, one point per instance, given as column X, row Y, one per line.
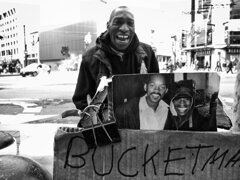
column 5, row 15
column 234, row 37
column 235, row 9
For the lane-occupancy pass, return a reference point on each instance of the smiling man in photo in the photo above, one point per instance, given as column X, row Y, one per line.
column 148, row 112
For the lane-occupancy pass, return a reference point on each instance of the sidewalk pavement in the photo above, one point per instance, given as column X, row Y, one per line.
column 37, row 123
column 36, row 142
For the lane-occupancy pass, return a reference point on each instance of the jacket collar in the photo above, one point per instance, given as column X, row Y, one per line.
column 139, row 53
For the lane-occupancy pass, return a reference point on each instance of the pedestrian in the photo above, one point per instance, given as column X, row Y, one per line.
column 117, row 51
column 149, row 111
column 170, row 66
column 218, row 67
column 229, row 67
column 207, row 66
column 196, row 64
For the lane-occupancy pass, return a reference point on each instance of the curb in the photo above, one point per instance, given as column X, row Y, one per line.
column 7, row 75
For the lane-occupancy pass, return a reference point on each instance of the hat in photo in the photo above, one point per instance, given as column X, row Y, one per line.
column 183, row 92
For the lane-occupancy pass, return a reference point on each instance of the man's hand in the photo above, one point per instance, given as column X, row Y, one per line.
column 72, row 112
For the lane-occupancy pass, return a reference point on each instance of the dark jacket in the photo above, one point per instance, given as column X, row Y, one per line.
column 127, row 115
column 199, row 123
column 102, row 60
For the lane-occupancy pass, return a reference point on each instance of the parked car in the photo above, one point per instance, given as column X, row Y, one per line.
column 34, row 69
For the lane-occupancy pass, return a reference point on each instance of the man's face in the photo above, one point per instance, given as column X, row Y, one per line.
column 121, row 28
column 182, row 105
column 156, row 89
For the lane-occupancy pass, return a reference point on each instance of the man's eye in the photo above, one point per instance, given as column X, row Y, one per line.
column 118, row 21
column 151, row 85
column 131, row 23
column 162, row 87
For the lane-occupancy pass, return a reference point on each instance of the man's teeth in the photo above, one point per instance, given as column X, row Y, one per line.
column 122, row 37
column 182, row 109
column 155, row 95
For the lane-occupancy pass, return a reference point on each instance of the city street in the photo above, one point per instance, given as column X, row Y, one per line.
column 32, row 106
column 57, row 85
column 58, row 88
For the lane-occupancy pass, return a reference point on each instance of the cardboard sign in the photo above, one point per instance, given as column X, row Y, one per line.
column 152, row 154
column 149, row 155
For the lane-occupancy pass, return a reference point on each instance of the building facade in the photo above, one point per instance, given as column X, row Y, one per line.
column 16, row 32
column 12, row 46
column 214, row 36
column 66, row 42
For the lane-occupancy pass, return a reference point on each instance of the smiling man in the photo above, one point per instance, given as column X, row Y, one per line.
column 184, row 116
column 121, row 28
column 148, row 112
column 117, row 51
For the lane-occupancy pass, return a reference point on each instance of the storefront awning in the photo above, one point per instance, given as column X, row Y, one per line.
column 197, row 48
column 233, row 46
column 209, row 47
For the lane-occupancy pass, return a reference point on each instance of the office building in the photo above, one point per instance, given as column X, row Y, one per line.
column 16, row 31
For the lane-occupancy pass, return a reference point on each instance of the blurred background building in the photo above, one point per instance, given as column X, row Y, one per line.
column 64, row 46
column 195, row 32
column 214, row 35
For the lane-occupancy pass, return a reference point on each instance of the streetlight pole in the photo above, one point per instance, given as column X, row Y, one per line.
column 174, row 48
column 1, row 37
column 25, row 47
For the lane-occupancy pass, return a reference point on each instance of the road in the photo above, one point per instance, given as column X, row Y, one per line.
column 57, row 85
column 61, row 85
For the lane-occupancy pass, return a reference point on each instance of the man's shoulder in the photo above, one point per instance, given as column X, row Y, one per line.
column 90, row 52
column 88, row 56
column 146, row 48
column 164, row 104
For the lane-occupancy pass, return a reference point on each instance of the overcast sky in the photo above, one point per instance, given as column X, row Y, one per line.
column 166, row 17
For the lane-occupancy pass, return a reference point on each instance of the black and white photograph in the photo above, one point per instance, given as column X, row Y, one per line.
column 179, row 101
column 102, row 72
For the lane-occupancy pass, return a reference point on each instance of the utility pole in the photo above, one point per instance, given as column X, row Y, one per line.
column 25, row 47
